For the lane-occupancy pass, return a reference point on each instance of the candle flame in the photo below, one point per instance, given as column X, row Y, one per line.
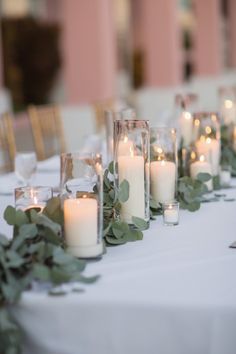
column 170, row 207
column 193, row 155
column 163, row 163
column 84, row 196
column 208, row 140
column 187, row 115
column 202, row 158
column 228, row 104
column 197, row 122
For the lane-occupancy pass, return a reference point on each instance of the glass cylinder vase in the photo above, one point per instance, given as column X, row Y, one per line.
column 185, row 106
column 208, row 138
column 163, row 166
column 227, row 105
column 131, row 163
column 110, row 117
column 82, row 196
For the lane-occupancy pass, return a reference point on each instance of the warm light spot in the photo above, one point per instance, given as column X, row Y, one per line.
column 159, row 150
column 208, row 130
column 234, row 132
column 84, row 196
column 125, row 139
column 202, row 138
column 193, row 155
column 163, row 163
column 33, row 196
column 131, row 151
column 213, row 117
column 228, row 104
column 202, row 158
column 197, row 122
column 170, row 207
column 187, row 115
column 208, row 140
column 173, row 131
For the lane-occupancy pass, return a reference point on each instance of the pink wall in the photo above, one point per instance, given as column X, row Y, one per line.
column 208, row 53
column 53, row 10
column 161, row 42
column 232, row 32
column 1, row 62
column 89, row 50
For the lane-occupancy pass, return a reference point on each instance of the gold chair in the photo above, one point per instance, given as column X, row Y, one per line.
column 7, row 143
column 100, row 108
column 47, row 130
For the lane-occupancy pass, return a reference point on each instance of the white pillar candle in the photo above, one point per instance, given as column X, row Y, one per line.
column 163, row 180
column 228, row 111
column 131, row 168
column 81, row 227
column 201, row 166
column 124, row 147
column 210, row 148
column 186, row 128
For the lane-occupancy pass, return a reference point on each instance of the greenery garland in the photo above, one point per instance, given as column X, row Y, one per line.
column 228, row 154
column 37, row 250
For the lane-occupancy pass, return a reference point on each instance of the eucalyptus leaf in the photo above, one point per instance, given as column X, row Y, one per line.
column 111, row 167
column 204, row 177
column 119, row 228
column 10, row 215
column 123, row 194
column 141, row 224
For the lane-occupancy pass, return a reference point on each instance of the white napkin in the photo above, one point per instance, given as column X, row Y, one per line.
column 50, row 165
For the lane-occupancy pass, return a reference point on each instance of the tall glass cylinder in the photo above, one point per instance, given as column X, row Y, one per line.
column 208, row 138
column 185, row 105
column 131, row 161
column 82, row 194
column 110, row 117
column 163, row 166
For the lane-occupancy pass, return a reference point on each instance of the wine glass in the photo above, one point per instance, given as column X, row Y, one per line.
column 25, row 166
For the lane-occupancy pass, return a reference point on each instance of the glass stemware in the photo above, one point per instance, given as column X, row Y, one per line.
column 25, row 167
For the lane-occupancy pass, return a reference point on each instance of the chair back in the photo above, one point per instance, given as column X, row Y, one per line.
column 7, row 143
column 100, row 108
column 47, row 130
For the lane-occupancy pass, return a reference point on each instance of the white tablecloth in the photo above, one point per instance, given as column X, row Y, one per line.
column 172, row 293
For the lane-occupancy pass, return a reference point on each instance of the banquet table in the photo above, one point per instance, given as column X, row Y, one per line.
column 171, row 293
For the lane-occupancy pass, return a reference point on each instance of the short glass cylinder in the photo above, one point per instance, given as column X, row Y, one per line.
column 131, row 163
column 185, row 107
column 207, row 142
column 163, row 166
column 225, row 175
column 36, row 198
column 82, row 197
column 170, row 213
